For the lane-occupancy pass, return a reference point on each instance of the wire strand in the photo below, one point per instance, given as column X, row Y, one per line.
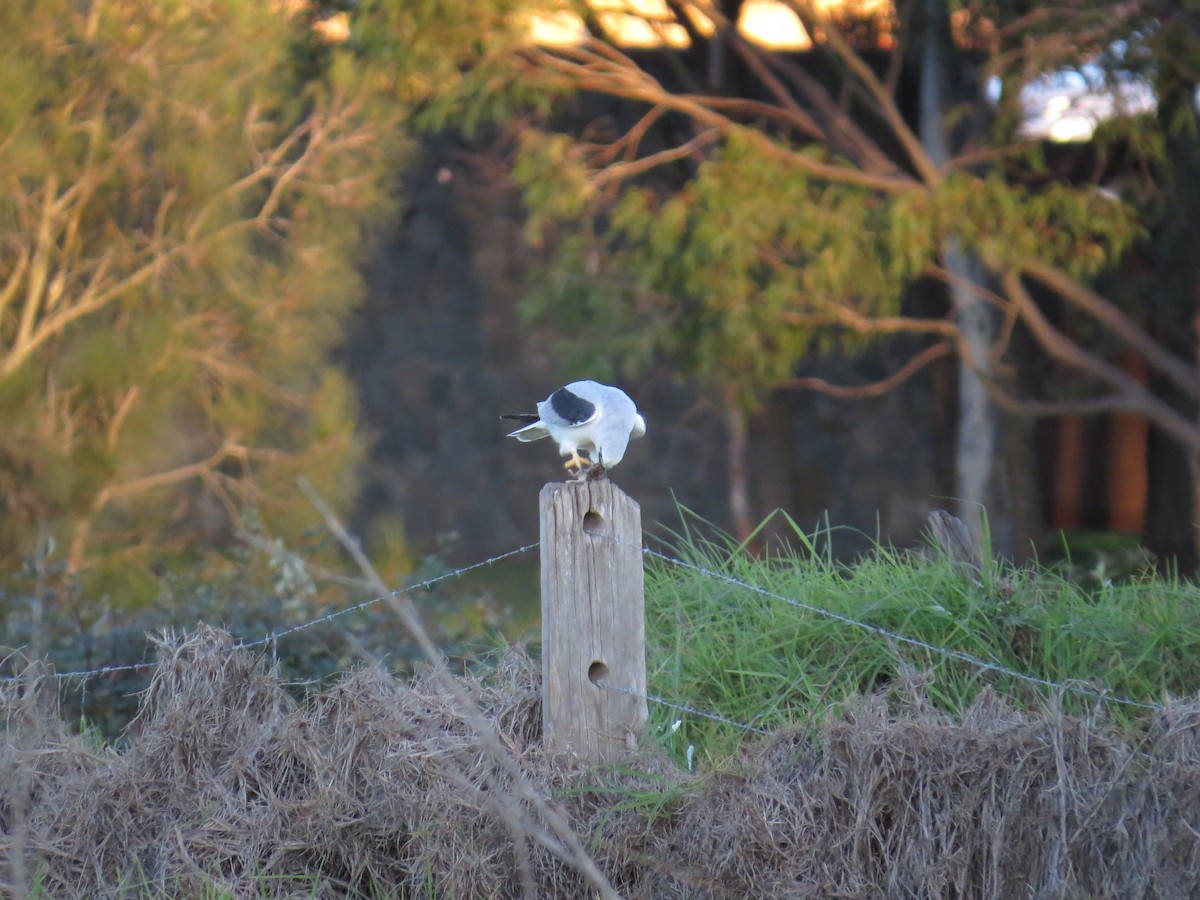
column 1072, row 687
column 683, row 707
column 977, row 662
column 276, row 635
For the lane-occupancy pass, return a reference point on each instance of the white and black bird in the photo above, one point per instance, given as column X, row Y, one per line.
column 596, row 418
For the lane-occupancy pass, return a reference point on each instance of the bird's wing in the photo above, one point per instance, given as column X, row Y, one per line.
column 533, row 432
column 613, row 434
column 566, row 408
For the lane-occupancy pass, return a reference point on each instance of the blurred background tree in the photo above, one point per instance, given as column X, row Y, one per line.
column 190, row 188
column 187, row 188
column 742, row 207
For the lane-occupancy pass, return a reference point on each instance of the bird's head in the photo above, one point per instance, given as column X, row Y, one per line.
column 639, row 427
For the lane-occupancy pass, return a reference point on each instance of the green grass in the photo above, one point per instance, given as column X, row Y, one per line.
column 748, row 655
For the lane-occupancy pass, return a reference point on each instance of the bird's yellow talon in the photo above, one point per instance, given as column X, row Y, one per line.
column 576, row 463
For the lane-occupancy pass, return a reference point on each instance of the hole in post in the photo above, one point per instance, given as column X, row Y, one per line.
column 597, row 672
column 593, row 522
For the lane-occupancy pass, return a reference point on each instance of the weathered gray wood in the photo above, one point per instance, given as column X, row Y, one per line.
column 593, row 620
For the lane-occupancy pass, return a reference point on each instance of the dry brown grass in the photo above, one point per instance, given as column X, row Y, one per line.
column 379, row 787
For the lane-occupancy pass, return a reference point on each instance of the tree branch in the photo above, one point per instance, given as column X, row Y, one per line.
column 124, row 408
column 39, row 270
column 1053, row 409
column 886, row 104
column 627, row 144
column 877, row 388
column 15, row 277
column 782, row 95
column 861, row 324
column 1136, row 398
column 1184, row 376
column 41, row 321
column 584, row 66
column 76, row 555
column 630, row 168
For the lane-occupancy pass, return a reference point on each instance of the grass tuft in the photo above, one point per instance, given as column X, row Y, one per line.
column 724, row 638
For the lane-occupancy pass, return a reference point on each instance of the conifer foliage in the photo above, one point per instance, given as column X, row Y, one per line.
column 183, row 191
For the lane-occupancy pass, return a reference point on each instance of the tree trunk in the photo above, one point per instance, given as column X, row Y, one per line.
column 737, row 422
column 977, row 320
column 978, row 425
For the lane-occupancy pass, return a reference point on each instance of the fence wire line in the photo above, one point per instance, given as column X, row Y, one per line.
column 977, row 662
column 683, row 707
column 276, row 635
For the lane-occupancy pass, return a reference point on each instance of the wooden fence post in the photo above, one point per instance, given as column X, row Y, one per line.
column 593, row 620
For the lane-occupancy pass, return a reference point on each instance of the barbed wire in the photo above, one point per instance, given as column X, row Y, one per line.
column 683, row 707
column 949, row 653
column 986, row 665
column 420, row 585
column 276, row 635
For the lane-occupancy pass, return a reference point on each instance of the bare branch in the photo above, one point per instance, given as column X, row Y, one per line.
column 619, row 171
column 587, row 67
column 628, row 144
column 90, row 301
column 974, row 157
column 124, row 408
column 885, row 102
column 862, row 324
column 266, row 167
column 679, row 10
column 941, row 273
column 76, row 555
column 1131, row 394
column 905, row 14
column 162, row 479
column 39, row 271
column 755, row 61
column 15, row 277
column 748, row 108
column 1053, row 409
column 1004, row 335
column 930, row 354
column 1184, row 376
column 840, row 130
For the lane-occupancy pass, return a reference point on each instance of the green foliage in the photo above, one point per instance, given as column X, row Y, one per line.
column 750, row 656
column 743, row 269
column 711, row 274
column 453, row 64
column 1081, row 231
column 187, row 189
column 732, row 262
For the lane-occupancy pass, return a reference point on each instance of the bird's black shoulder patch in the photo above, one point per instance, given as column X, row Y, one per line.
column 571, row 407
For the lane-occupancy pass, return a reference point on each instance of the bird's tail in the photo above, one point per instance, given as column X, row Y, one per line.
column 522, row 417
